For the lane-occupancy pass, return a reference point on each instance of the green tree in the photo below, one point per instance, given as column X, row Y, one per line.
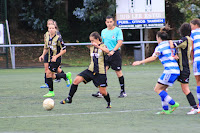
column 95, row 10
column 35, row 13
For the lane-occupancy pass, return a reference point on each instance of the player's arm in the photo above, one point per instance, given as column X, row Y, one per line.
column 119, row 44
column 182, row 43
column 150, row 59
column 104, row 49
column 45, row 51
column 62, row 51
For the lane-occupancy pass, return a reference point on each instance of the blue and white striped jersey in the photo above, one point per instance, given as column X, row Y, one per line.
column 195, row 36
column 164, row 53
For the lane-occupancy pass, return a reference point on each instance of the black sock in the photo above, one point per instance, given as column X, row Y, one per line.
column 50, row 83
column 62, row 71
column 72, row 90
column 121, row 82
column 191, row 100
column 107, row 98
column 45, row 78
column 61, row 75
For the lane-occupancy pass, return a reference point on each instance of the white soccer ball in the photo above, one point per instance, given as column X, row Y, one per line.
column 48, row 104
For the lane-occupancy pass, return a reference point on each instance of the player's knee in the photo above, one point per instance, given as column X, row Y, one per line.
column 77, row 80
column 103, row 91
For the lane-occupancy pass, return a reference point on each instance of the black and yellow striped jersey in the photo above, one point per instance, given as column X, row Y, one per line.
column 54, row 45
column 97, row 64
column 184, row 46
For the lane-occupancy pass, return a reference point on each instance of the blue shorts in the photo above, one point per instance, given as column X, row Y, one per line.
column 168, row 79
column 196, row 68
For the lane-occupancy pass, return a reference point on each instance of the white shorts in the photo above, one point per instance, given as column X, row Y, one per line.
column 168, row 78
column 196, row 68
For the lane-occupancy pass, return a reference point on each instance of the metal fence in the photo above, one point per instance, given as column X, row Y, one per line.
column 12, row 47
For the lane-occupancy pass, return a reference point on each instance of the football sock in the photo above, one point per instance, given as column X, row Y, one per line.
column 72, row 90
column 164, row 104
column 163, row 94
column 191, row 100
column 107, row 98
column 61, row 75
column 62, row 71
column 50, row 83
column 45, row 78
column 121, row 82
column 198, row 93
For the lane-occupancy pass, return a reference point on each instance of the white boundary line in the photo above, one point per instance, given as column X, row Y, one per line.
column 89, row 113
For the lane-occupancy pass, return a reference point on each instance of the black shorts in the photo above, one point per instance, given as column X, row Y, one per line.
column 46, row 58
column 184, row 78
column 53, row 66
column 114, row 61
column 99, row 80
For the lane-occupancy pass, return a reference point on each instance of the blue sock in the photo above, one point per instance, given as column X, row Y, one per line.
column 166, row 97
column 198, row 93
column 164, row 104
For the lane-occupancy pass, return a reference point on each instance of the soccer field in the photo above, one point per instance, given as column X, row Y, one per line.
column 21, row 104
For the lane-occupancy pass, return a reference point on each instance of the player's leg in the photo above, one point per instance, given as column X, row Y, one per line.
column 66, row 76
column 106, row 96
column 184, row 80
column 50, row 84
column 85, row 77
column 73, row 89
column 107, row 63
column 121, row 82
column 116, row 64
column 163, row 82
column 197, row 77
column 46, row 65
column 190, row 98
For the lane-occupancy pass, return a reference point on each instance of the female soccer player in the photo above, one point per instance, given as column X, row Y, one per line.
column 171, row 70
column 96, row 70
column 195, row 36
column 46, row 64
column 55, row 48
column 184, row 48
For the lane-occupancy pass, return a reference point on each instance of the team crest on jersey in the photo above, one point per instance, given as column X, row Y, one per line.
column 54, row 43
column 113, row 37
column 100, row 50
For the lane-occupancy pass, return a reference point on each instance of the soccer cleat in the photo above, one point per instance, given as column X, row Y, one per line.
column 173, row 107
column 66, row 100
column 98, row 95
column 163, row 112
column 109, row 106
column 122, row 94
column 192, row 111
column 57, row 80
column 49, row 94
column 69, row 79
column 44, row 86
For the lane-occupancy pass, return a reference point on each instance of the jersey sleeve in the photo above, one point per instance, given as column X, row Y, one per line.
column 120, row 35
column 182, row 43
column 46, row 45
column 157, row 52
column 61, row 43
column 192, row 35
column 104, row 46
column 102, row 36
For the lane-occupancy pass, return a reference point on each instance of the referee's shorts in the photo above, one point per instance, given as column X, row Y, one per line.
column 114, row 61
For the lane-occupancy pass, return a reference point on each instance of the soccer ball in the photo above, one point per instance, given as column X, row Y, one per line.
column 48, row 104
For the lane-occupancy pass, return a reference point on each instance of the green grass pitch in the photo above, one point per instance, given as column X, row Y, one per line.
column 21, row 104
